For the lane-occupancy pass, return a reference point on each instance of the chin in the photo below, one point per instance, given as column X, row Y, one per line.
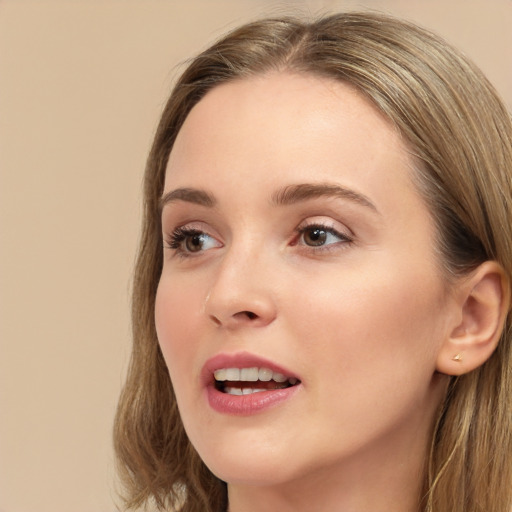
column 255, row 475
column 257, row 464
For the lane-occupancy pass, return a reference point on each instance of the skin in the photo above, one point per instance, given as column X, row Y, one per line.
column 360, row 319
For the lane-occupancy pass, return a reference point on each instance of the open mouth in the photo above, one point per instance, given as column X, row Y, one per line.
column 245, row 381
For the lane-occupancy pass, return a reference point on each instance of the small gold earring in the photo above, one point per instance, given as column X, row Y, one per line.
column 457, row 357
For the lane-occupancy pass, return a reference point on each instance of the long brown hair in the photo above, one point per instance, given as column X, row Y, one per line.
column 460, row 136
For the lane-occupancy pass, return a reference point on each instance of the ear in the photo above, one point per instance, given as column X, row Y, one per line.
column 483, row 301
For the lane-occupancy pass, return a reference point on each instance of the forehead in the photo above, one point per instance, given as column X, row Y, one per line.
column 279, row 126
column 290, row 105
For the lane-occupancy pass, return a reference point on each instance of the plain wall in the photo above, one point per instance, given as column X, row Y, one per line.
column 81, row 86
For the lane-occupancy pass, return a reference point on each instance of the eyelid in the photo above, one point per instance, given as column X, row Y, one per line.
column 192, row 225
column 327, row 223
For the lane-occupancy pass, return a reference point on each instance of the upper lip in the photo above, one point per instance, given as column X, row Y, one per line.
column 240, row 360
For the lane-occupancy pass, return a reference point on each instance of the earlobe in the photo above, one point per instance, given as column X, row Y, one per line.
column 483, row 302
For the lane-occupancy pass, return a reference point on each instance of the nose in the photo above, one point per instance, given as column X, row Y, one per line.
column 241, row 294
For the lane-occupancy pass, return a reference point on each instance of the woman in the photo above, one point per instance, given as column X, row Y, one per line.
column 326, row 327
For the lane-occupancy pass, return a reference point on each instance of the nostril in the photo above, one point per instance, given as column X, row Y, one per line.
column 248, row 314
column 241, row 316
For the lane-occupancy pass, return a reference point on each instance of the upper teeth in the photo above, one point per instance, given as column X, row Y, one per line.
column 251, row 375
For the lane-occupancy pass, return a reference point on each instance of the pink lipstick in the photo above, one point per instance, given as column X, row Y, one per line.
column 245, row 384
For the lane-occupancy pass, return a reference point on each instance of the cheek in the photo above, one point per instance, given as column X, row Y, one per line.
column 177, row 310
column 383, row 323
column 368, row 355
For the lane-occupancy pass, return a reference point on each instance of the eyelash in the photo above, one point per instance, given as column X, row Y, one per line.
column 179, row 236
column 175, row 239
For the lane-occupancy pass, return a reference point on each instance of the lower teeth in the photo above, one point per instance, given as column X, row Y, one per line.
column 244, row 391
column 238, row 391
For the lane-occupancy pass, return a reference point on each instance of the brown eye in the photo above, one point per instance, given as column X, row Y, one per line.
column 195, row 242
column 321, row 236
column 187, row 241
column 315, row 237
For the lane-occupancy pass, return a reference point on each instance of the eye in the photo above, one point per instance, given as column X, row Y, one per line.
column 187, row 241
column 318, row 235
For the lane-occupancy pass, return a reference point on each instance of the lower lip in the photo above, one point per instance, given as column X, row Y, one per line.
column 245, row 405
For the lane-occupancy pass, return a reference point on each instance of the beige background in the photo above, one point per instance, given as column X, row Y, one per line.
column 81, row 87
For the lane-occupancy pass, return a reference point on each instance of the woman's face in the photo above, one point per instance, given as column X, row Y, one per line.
column 300, row 270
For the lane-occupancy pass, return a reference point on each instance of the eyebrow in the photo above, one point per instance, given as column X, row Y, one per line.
column 303, row 192
column 190, row 195
column 288, row 195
